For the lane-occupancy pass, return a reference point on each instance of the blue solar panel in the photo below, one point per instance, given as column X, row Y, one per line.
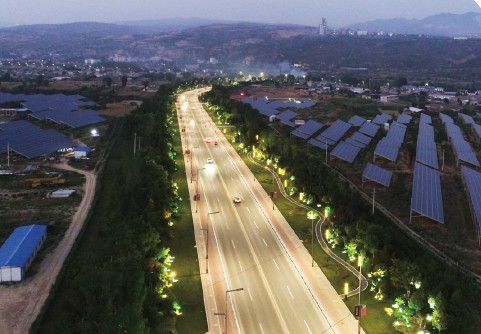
column 345, row 151
column 404, row 119
column 357, row 136
column 445, row 118
column 355, row 142
column 369, row 129
column 356, row 120
column 466, row 118
column 426, row 151
column 426, row 196
column 387, row 150
column 335, row 132
column 425, row 119
column 286, row 116
column 316, row 143
column 30, row 141
column 16, row 250
column 472, row 180
column 462, row 148
column 381, row 119
column 396, row 133
column 377, row 174
column 307, row 129
column 477, row 130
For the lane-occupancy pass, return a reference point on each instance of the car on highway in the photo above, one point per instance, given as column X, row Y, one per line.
column 209, row 160
column 216, row 143
column 208, row 140
column 237, row 199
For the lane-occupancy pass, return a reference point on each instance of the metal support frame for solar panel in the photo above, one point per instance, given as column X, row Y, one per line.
column 472, row 187
column 426, row 195
column 377, row 174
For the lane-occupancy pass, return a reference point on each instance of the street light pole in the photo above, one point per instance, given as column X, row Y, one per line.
column 197, row 196
column 360, row 288
column 312, row 239
column 227, row 291
column 207, row 241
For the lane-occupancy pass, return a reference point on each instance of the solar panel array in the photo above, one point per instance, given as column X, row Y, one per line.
column 345, row 151
column 425, row 119
column 381, row 119
column 357, row 136
column 404, row 119
column 426, row 198
column 307, row 129
column 60, row 108
column 466, row 118
column 461, row 147
column 269, row 108
column 477, row 130
column 377, row 174
column 389, row 146
column 286, row 116
column 472, row 180
column 445, row 118
column 333, row 133
column 356, row 120
column 426, row 152
column 354, row 142
column 369, row 129
column 30, row 141
column 387, row 150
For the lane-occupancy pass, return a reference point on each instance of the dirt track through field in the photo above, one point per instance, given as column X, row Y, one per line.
column 20, row 304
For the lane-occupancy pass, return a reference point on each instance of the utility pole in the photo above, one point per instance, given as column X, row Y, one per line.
column 135, row 141
column 8, row 154
column 373, row 200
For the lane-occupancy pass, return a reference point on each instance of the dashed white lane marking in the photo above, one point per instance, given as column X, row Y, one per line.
column 233, row 243
column 255, row 223
column 290, row 292
column 265, row 243
column 275, row 264
column 248, row 209
column 249, row 291
column 307, row 327
column 240, row 265
column 262, row 330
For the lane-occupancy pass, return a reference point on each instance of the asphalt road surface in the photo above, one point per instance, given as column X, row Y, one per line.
column 274, row 298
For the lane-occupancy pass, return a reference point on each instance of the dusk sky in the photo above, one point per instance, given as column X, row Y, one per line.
column 306, row 12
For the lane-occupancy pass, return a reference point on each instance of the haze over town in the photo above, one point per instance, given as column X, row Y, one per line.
column 305, row 12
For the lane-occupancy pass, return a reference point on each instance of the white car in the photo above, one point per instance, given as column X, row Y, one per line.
column 209, row 160
column 237, row 199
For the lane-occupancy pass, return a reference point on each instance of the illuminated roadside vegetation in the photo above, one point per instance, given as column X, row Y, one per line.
column 413, row 287
column 122, row 275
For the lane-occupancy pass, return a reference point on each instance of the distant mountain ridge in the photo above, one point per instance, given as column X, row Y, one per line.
column 468, row 24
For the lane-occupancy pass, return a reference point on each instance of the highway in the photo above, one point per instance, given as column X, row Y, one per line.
column 275, row 298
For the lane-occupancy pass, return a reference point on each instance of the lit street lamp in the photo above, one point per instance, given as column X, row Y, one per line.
column 312, row 215
column 227, row 291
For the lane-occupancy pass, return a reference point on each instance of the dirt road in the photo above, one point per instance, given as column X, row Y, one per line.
column 20, row 304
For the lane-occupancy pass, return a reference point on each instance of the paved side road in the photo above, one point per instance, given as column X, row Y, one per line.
column 20, row 304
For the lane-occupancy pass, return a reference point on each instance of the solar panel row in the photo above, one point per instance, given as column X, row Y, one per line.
column 369, row 129
column 377, row 174
column 354, row 142
column 318, row 144
column 357, row 136
column 426, row 196
column 381, row 119
column 462, row 148
column 445, row 118
column 345, row 151
column 307, row 129
column 286, row 116
column 387, row 150
column 396, row 133
column 425, row 119
column 356, row 120
column 426, row 152
column 466, row 118
column 30, row 141
column 472, row 180
column 335, row 132
column 404, row 119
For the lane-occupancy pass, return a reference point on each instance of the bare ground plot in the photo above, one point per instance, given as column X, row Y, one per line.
column 121, row 109
column 21, row 303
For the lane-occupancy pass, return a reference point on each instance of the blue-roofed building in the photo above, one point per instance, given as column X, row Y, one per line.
column 81, row 152
column 19, row 250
